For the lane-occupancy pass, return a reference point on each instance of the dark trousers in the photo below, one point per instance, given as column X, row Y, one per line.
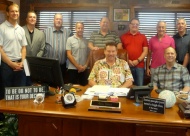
column 78, row 78
column 12, row 78
column 63, row 70
column 2, row 89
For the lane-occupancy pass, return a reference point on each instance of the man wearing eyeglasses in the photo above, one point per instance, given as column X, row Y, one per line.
column 157, row 45
column 137, row 48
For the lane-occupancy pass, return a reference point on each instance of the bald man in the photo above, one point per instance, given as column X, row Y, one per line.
column 171, row 76
column 98, row 39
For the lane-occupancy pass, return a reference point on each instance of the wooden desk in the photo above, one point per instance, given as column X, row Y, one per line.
column 51, row 119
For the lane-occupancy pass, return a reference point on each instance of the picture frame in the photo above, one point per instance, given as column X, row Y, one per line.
column 121, row 14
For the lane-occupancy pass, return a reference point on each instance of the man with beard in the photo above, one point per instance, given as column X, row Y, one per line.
column 56, row 38
column 98, row 39
column 171, row 76
column 182, row 42
column 78, row 55
column 157, row 45
column 111, row 70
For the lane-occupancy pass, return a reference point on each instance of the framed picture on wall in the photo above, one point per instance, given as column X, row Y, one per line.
column 121, row 14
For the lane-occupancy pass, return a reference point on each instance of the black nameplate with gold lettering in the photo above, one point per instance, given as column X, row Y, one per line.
column 25, row 92
column 154, row 105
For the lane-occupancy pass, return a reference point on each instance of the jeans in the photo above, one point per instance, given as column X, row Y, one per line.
column 138, row 75
column 12, row 78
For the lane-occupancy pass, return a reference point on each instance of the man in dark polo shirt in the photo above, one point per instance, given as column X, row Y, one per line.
column 182, row 41
column 98, row 39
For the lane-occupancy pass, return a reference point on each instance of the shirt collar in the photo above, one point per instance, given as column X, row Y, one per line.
column 107, row 32
column 61, row 30
column 186, row 33
column 10, row 25
column 103, row 61
column 129, row 33
column 163, row 36
column 174, row 66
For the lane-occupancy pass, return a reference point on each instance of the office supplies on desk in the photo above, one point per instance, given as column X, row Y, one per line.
column 68, row 86
column 106, row 90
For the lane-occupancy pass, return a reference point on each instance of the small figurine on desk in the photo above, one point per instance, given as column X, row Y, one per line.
column 39, row 98
column 59, row 92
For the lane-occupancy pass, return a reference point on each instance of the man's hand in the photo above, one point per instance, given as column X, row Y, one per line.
column 16, row 66
column 95, row 48
column 133, row 63
column 148, row 72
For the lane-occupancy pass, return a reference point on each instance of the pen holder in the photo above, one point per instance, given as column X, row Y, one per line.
column 58, row 98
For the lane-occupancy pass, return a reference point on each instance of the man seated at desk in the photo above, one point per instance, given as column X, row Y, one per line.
column 111, row 70
column 171, row 76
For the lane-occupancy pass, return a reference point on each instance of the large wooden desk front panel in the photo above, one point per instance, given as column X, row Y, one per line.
column 51, row 119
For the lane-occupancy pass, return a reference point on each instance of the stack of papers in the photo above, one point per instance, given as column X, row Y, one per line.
column 97, row 90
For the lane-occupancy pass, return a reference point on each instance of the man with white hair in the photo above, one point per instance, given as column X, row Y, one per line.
column 157, row 45
column 56, row 38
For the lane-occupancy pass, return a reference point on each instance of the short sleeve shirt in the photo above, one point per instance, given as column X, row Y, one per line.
column 182, row 44
column 100, row 40
column 79, row 50
column 134, row 45
column 114, row 76
column 157, row 48
column 12, row 39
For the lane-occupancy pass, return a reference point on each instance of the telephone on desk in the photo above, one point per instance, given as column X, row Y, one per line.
column 68, row 86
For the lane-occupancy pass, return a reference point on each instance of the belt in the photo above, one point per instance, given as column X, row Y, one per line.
column 17, row 60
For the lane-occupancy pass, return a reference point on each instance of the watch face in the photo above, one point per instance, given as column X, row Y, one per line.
column 69, row 98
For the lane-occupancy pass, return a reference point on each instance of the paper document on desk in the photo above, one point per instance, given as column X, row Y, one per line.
column 106, row 90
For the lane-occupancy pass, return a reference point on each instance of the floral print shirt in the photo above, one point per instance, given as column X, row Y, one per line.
column 114, row 75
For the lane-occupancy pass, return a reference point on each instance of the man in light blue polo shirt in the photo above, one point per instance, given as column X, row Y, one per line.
column 12, row 48
column 78, row 55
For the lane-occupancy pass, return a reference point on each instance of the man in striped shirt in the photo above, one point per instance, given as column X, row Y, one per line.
column 171, row 76
column 56, row 38
column 98, row 39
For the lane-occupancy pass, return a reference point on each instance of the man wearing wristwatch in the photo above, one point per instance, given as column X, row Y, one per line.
column 137, row 48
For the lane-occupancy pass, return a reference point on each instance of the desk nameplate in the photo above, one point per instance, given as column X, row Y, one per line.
column 106, row 106
column 154, row 105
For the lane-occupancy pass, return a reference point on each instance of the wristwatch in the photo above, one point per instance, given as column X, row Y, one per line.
column 138, row 60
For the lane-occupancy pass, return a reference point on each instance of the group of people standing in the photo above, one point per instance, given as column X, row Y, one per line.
column 60, row 43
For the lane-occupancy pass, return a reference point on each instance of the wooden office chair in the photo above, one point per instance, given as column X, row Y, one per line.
column 99, row 54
